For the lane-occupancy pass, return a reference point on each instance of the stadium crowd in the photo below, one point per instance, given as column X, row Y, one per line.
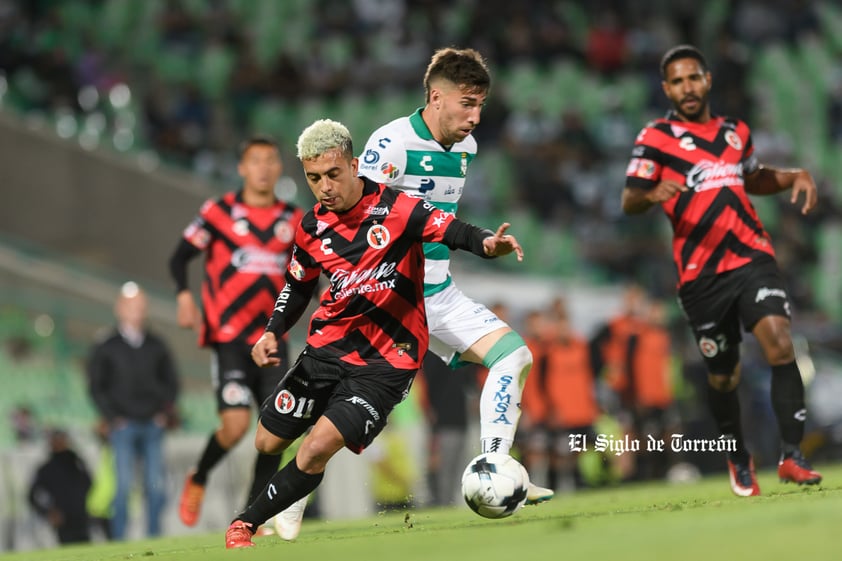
column 201, row 74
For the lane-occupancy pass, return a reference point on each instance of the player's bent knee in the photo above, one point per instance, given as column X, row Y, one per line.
column 780, row 352
column 724, row 382
column 314, row 453
column 269, row 444
column 230, row 434
column 511, row 353
column 522, row 360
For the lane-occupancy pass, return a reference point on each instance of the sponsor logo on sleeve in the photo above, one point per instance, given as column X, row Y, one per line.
column 389, row 170
column 197, row 235
column 295, row 269
column 642, row 167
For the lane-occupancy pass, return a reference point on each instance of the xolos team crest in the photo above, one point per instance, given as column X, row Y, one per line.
column 378, row 236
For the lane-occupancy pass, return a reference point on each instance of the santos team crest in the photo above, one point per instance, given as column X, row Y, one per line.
column 378, row 236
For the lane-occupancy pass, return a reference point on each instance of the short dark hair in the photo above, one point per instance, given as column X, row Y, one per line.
column 256, row 140
column 679, row 52
column 463, row 67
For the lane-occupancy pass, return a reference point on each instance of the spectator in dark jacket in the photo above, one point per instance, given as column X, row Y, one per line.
column 59, row 489
column 134, row 384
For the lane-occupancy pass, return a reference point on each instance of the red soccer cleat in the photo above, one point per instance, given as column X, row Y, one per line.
column 238, row 535
column 191, row 501
column 796, row 469
column 743, row 480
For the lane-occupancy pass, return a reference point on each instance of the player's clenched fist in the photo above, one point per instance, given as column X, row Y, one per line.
column 264, row 351
column 665, row 190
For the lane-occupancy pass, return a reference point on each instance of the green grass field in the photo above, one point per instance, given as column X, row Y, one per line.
column 649, row 522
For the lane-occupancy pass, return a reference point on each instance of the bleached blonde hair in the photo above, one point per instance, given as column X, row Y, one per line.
column 322, row 136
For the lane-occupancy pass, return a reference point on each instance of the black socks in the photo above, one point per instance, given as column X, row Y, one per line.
column 265, row 466
column 210, row 457
column 285, row 487
column 788, row 403
column 725, row 407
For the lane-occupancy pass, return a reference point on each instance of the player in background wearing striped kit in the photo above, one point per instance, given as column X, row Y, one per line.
column 700, row 168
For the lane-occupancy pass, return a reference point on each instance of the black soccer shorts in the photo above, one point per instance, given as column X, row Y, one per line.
column 357, row 399
column 716, row 308
column 238, row 381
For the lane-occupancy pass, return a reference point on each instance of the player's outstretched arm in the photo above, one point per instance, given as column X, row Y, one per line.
column 481, row 241
column 769, row 181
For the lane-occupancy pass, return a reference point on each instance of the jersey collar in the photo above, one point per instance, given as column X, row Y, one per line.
column 672, row 115
column 419, row 126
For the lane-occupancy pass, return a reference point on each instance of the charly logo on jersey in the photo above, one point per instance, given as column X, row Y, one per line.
column 284, row 402
column 326, row 249
column 378, row 236
column 707, row 174
column 425, row 164
column 253, row 259
column 240, row 227
column 733, row 140
column 284, row 232
column 687, row 143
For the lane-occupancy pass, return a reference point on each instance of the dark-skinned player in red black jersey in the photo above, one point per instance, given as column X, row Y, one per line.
column 701, row 168
column 369, row 334
column 247, row 238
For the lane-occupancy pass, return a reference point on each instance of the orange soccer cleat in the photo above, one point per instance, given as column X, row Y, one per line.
column 191, row 501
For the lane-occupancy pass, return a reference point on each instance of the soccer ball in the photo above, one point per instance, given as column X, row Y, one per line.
column 494, row 485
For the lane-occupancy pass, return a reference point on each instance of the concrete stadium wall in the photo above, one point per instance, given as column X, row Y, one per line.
column 92, row 205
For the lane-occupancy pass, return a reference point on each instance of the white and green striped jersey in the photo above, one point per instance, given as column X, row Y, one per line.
column 404, row 155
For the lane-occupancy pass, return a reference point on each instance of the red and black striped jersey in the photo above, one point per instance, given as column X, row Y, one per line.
column 247, row 249
column 373, row 310
column 715, row 226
